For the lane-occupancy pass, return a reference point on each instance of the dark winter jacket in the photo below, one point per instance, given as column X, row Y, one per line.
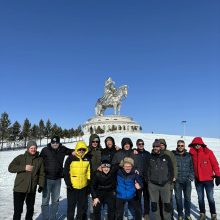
column 53, row 160
column 94, row 153
column 102, row 182
column 144, row 156
column 159, row 169
column 185, row 167
column 204, row 161
column 25, row 181
column 108, row 153
column 126, row 184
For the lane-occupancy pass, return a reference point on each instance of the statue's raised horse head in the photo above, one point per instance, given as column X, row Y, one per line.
column 112, row 101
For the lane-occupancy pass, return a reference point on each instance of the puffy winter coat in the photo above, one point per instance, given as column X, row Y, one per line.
column 77, row 170
column 102, row 182
column 53, row 160
column 185, row 166
column 205, row 163
column 126, row 184
column 25, row 181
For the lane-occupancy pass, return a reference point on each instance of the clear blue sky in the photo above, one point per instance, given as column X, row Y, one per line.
column 56, row 55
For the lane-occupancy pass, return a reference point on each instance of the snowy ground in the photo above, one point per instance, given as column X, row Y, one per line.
column 7, row 179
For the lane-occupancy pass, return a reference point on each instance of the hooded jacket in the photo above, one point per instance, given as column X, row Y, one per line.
column 204, row 161
column 26, row 182
column 94, row 153
column 121, row 154
column 108, row 153
column 77, row 168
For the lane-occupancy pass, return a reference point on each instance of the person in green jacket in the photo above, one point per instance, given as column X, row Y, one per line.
column 30, row 173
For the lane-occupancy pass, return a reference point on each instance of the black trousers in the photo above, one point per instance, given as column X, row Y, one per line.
column 146, row 197
column 105, row 198
column 19, row 199
column 134, row 203
column 76, row 197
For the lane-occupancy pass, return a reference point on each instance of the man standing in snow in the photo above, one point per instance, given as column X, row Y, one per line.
column 205, row 166
column 30, row 173
column 53, row 156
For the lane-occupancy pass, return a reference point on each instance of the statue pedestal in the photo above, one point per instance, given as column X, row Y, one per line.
column 109, row 123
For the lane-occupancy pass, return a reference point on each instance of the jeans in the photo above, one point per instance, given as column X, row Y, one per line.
column 208, row 186
column 186, row 189
column 51, row 189
column 19, row 199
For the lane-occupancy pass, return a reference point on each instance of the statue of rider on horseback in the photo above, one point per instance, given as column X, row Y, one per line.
column 112, row 98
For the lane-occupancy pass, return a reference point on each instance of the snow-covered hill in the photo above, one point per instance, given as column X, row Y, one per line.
column 7, row 179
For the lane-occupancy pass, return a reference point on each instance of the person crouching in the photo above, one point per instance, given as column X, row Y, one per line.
column 128, row 182
column 103, row 190
column 77, row 176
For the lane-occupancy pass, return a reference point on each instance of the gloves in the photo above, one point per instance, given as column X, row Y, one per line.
column 217, row 180
column 40, row 189
column 69, row 188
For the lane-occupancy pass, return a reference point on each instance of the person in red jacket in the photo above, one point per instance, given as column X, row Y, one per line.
column 206, row 167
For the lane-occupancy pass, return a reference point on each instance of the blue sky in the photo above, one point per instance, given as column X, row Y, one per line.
column 56, row 55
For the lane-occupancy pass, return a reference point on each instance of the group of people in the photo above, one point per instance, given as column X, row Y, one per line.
column 115, row 179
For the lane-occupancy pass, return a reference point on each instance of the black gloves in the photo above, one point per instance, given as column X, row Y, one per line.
column 69, row 188
column 40, row 189
column 217, row 180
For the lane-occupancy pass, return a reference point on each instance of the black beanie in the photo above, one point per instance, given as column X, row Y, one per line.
column 156, row 143
column 56, row 139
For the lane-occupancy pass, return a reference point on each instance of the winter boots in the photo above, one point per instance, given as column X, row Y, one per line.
column 214, row 217
column 202, row 216
column 146, row 217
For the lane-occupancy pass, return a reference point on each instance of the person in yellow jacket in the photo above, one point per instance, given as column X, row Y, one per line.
column 77, row 177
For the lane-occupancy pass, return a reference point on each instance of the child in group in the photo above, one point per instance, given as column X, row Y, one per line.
column 103, row 190
column 77, row 176
column 128, row 182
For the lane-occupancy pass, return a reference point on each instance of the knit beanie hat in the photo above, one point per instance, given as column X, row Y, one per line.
column 56, row 139
column 156, row 143
column 162, row 141
column 127, row 160
column 31, row 143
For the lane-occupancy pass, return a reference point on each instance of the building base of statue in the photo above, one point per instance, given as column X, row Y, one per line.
column 110, row 123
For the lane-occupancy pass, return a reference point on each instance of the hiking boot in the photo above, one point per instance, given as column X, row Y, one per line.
column 146, row 217
column 213, row 216
column 188, row 218
column 202, row 216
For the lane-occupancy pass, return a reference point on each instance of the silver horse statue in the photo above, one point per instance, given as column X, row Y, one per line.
column 111, row 99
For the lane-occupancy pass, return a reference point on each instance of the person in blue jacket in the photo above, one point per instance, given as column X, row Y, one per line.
column 128, row 182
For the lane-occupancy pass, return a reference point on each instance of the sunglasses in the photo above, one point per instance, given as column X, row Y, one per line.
column 180, row 145
column 140, row 144
column 156, row 146
column 81, row 149
column 95, row 141
column 54, row 142
column 106, row 165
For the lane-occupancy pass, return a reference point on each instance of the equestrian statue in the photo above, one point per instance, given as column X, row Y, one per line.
column 112, row 98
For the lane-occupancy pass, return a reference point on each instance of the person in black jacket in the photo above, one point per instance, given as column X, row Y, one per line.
column 110, row 149
column 103, row 190
column 145, row 156
column 53, row 156
column 159, row 175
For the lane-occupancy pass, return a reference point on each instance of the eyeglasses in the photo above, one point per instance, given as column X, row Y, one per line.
column 180, row 145
column 95, row 141
column 139, row 144
column 81, row 149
